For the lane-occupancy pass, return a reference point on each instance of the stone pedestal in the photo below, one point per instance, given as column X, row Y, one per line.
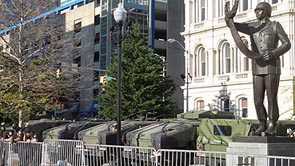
column 253, row 151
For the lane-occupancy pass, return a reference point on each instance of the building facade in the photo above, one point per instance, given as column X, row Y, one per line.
column 88, row 24
column 96, row 50
column 219, row 69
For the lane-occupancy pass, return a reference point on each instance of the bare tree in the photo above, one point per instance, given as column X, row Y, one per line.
column 36, row 58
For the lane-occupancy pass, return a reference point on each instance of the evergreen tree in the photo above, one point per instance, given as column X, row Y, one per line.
column 145, row 89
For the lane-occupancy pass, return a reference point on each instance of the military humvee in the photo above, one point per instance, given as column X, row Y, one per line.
column 106, row 133
column 216, row 134
column 179, row 133
column 68, row 130
column 38, row 126
column 165, row 135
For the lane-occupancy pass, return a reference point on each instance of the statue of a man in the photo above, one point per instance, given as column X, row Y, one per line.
column 265, row 36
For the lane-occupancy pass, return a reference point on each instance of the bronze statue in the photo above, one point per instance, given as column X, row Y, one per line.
column 264, row 35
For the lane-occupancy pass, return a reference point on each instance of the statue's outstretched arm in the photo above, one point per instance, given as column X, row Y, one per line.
column 229, row 15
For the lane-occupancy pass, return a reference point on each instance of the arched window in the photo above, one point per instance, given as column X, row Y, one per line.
column 243, row 61
column 200, row 62
column 199, row 105
column 225, row 59
column 243, row 107
column 246, row 59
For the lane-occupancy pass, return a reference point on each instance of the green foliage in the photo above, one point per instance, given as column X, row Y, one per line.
column 145, row 91
column 30, row 56
column 41, row 89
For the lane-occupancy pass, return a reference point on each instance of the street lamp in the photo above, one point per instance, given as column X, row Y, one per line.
column 120, row 15
column 187, row 70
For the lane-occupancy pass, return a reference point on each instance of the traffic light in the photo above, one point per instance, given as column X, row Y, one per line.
column 103, row 82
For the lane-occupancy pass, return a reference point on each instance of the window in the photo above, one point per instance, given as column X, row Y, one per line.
column 77, row 61
column 95, row 92
column 226, row 54
column 245, row 63
column 95, row 75
column 274, row 1
column 193, row 13
column 200, row 62
column 244, row 6
column 199, row 105
column 202, row 10
column 98, row 2
column 96, row 56
column 221, row 8
column 77, row 26
column 225, row 59
column 203, row 63
column 47, row 40
column 77, row 77
column 243, row 106
column 96, row 38
column 243, row 60
column 97, row 20
column 222, row 130
column 77, row 43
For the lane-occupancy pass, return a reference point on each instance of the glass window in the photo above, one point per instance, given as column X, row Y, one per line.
column 96, row 56
column 220, row 8
column 202, row 10
column 97, row 20
column 77, row 60
column 95, row 75
column 77, row 26
column 96, row 38
column 245, row 59
column 245, row 5
column 274, row 1
column 202, row 62
column 95, row 92
column 222, row 130
column 227, row 58
column 199, row 105
column 243, row 107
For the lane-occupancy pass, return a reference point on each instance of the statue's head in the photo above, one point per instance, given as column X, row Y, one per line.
column 265, row 7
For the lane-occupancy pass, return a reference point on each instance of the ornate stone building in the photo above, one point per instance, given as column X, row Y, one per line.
column 216, row 65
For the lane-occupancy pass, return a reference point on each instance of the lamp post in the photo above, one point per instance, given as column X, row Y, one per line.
column 183, row 76
column 120, row 15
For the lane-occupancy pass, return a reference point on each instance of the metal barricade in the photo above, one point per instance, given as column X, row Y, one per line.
column 258, row 160
column 109, row 155
column 26, row 154
column 5, row 151
column 206, row 158
column 171, row 157
column 63, row 152
column 75, row 153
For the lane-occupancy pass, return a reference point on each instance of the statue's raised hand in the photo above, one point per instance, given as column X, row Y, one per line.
column 230, row 14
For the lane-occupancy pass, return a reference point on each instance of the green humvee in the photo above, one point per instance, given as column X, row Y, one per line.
column 173, row 133
column 38, row 126
column 67, row 131
column 215, row 134
column 106, row 133
column 164, row 134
